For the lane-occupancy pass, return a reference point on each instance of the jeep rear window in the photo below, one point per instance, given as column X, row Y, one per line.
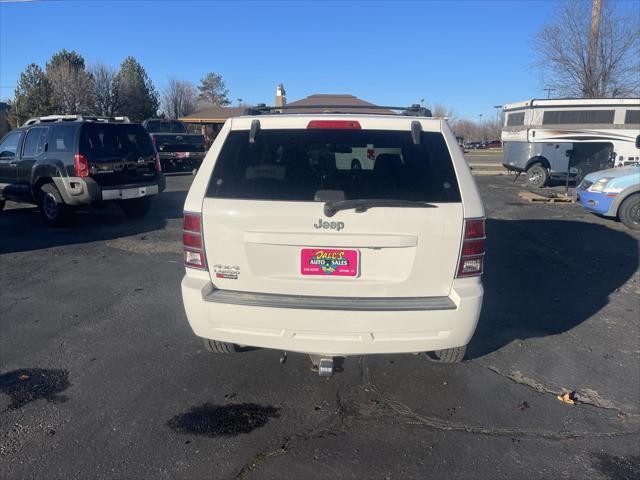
column 293, row 165
column 117, row 140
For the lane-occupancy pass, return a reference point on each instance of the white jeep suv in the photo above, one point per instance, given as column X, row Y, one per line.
column 334, row 235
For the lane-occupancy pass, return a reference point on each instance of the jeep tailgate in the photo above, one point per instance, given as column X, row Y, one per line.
column 266, row 230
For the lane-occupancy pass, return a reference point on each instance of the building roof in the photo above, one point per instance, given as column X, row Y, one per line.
column 359, row 105
column 353, row 105
column 213, row 115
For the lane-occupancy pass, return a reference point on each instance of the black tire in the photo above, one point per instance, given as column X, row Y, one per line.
column 537, row 175
column 2, row 203
column 52, row 207
column 449, row 355
column 136, row 207
column 629, row 212
column 214, row 346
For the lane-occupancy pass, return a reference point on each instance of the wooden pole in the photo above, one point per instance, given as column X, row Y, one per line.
column 593, row 87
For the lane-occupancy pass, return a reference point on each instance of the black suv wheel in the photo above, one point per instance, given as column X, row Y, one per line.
column 136, row 207
column 2, row 203
column 52, row 208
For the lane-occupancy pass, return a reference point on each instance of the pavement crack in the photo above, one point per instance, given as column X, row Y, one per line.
column 403, row 410
column 261, row 457
column 585, row 396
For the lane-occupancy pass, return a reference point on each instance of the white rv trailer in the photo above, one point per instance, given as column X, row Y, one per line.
column 540, row 136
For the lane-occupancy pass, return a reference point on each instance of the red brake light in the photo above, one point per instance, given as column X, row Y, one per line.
column 334, row 124
column 474, row 228
column 473, row 249
column 193, row 247
column 191, row 222
column 82, row 165
column 158, row 164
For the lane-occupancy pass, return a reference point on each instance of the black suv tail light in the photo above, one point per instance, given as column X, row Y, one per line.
column 82, row 165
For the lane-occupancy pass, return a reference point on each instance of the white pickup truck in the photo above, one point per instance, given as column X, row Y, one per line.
column 289, row 246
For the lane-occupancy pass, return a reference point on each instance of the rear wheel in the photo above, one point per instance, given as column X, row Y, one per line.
column 449, row 355
column 52, row 208
column 136, row 207
column 214, row 346
column 629, row 212
column 2, row 203
column 537, row 175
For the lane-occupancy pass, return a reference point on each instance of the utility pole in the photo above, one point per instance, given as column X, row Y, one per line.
column 592, row 87
column 549, row 90
column 497, row 107
column 481, row 129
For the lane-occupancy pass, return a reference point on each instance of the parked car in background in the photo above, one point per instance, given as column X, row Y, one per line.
column 62, row 162
column 494, row 144
column 179, row 150
column 289, row 246
column 613, row 193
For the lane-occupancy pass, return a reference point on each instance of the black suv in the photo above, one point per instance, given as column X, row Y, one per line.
column 66, row 161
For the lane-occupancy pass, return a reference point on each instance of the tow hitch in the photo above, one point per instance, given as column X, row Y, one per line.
column 322, row 364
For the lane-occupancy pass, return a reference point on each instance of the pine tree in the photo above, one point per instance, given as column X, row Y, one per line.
column 32, row 95
column 213, row 90
column 136, row 96
column 72, row 92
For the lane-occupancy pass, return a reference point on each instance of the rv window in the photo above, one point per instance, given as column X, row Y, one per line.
column 575, row 117
column 515, row 119
column 632, row 117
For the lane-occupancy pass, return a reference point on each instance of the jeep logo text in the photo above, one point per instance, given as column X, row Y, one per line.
column 329, row 225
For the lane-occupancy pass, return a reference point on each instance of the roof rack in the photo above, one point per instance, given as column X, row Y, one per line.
column 75, row 118
column 414, row 110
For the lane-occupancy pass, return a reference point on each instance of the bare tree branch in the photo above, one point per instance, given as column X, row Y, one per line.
column 180, row 98
column 562, row 50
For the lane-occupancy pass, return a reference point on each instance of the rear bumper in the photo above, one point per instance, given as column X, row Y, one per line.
column 181, row 160
column 77, row 191
column 337, row 329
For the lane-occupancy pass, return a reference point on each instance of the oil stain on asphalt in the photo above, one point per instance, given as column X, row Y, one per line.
column 29, row 384
column 223, row 420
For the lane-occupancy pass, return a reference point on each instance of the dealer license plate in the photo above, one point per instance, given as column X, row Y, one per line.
column 334, row 262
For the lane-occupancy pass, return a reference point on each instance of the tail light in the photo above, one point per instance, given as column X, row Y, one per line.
column 193, row 246
column 473, row 248
column 82, row 165
column 158, row 165
column 334, row 124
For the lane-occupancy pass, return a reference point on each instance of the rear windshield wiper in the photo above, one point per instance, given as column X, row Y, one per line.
column 362, row 205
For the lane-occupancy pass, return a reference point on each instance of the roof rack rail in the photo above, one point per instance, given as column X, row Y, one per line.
column 75, row 118
column 414, row 110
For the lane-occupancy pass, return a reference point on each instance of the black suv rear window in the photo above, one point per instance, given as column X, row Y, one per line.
column 363, row 164
column 117, row 140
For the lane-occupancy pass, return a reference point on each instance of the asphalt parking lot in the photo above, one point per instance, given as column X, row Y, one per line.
column 101, row 376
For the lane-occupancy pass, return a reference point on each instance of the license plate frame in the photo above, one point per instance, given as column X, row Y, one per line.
column 329, row 262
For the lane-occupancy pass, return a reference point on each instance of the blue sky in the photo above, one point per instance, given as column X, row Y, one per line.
column 469, row 55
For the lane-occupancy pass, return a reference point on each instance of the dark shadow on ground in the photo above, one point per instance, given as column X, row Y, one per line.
column 23, row 230
column 544, row 277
